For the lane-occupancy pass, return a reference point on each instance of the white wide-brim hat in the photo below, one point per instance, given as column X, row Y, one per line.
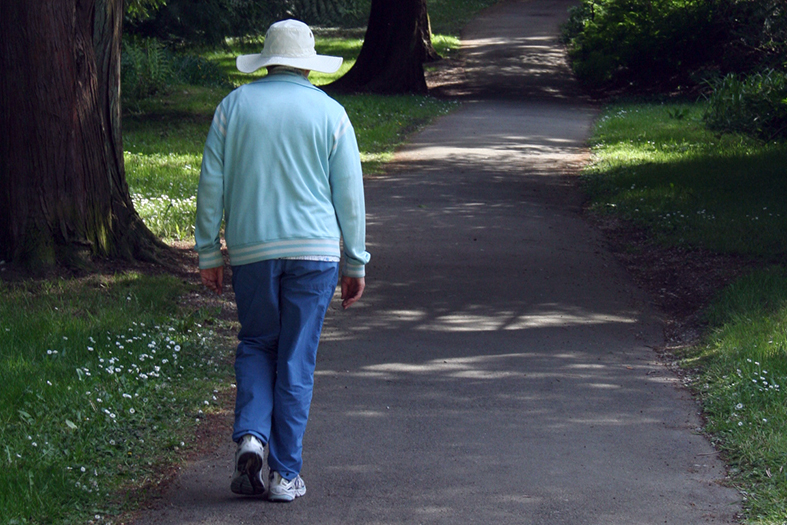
column 289, row 43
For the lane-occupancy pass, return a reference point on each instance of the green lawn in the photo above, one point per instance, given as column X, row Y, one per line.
column 659, row 167
column 105, row 380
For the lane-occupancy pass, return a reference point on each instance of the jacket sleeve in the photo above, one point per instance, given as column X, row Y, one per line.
column 348, row 199
column 210, row 195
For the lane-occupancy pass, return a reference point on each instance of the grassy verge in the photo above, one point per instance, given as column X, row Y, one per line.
column 104, row 381
column 657, row 166
column 742, row 381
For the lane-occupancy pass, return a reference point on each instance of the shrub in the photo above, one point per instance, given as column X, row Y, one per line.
column 755, row 105
column 659, row 45
column 209, row 22
column 759, row 35
column 645, row 44
column 343, row 13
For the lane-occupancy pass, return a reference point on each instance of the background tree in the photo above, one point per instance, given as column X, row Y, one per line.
column 63, row 193
column 397, row 44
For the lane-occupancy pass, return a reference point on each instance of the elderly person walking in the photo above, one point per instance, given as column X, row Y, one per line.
column 281, row 167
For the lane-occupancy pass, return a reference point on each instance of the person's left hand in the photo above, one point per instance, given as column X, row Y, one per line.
column 352, row 290
column 213, row 278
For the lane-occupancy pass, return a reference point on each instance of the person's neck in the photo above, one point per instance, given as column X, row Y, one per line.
column 286, row 69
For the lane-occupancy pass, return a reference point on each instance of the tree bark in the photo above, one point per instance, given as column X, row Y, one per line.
column 63, row 193
column 397, row 44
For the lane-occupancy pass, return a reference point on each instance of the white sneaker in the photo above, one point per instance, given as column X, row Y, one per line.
column 249, row 458
column 283, row 490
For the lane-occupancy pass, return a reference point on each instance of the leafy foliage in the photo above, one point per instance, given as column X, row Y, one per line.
column 142, row 9
column 344, row 13
column 205, row 23
column 758, row 30
column 209, row 22
column 756, row 104
column 666, row 44
column 644, row 44
column 148, row 68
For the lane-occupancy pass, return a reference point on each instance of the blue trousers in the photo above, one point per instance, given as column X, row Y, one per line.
column 281, row 307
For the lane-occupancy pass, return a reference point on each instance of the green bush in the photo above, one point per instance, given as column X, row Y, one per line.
column 758, row 30
column 342, row 13
column 645, row 44
column 756, row 105
column 661, row 45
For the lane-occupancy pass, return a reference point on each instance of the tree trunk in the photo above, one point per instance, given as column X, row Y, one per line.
column 397, row 43
column 63, row 191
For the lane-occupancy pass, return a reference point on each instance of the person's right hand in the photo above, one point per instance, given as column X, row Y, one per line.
column 352, row 290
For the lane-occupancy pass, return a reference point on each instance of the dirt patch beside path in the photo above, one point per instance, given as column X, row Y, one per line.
column 681, row 281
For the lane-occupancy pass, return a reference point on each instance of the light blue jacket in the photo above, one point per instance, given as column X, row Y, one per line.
column 281, row 167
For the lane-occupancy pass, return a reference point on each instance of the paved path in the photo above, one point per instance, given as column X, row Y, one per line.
column 500, row 368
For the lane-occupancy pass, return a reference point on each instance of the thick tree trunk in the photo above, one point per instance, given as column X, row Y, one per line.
column 62, row 182
column 397, row 44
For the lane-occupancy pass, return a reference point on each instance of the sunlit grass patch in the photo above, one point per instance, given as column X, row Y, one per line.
column 659, row 167
column 446, row 45
column 162, row 169
column 102, row 380
column 167, row 217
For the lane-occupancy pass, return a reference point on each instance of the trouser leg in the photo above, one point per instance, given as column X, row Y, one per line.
column 256, row 289
column 306, row 290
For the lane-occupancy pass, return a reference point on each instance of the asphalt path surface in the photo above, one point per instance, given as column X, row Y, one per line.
column 500, row 367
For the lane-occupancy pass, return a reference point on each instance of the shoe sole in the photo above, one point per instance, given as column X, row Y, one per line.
column 284, row 498
column 248, row 481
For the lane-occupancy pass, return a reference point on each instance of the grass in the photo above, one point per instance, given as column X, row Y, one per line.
column 656, row 166
column 659, row 167
column 742, row 381
column 448, row 17
column 104, row 381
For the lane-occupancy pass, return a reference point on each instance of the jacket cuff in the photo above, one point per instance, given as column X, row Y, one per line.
column 210, row 259
column 354, row 270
